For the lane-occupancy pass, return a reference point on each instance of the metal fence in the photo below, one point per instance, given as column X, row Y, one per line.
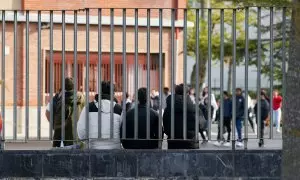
column 133, row 48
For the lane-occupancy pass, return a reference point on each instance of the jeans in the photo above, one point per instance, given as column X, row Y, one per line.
column 238, row 124
column 277, row 118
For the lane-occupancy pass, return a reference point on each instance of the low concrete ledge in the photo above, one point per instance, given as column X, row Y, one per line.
column 142, row 164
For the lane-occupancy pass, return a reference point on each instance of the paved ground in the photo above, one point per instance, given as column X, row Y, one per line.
column 275, row 143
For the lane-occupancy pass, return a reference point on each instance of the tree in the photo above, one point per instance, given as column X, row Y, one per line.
column 265, row 28
column 215, row 39
column 291, row 127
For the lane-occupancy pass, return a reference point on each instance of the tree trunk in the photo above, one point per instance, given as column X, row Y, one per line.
column 229, row 75
column 202, row 73
column 291, row 126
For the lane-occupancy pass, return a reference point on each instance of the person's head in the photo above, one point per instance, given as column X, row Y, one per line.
column 192, row 91
column 238, row 91
column 225, row 94
column 105, row 87
column 275, row 93
column 179, row 89
column 69, row 84
column 263, row 95
column 127, row 95
column 153, row 92
column 142, row 95
column 205, row 90
column 166, row 90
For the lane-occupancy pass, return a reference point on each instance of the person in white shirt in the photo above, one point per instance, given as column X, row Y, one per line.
column 94, row 141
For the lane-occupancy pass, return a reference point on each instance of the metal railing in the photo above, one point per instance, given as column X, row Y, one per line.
column 173, row 38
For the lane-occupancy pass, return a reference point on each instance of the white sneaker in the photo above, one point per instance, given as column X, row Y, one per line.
column 218, row 143
column 278, row 130
column 239, row 144
column 227, row 144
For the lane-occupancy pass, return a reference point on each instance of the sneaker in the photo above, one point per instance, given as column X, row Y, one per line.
column 278, row 130
column 227, row 144
column 218, row 143
column 261, row 143
column 204, row 142
column 239, row 144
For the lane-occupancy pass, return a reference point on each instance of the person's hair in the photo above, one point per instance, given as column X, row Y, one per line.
column 239, row 89
column 142, row 95
column 275, row 90
column 127, row 95
column 69, row 84
column 166, row 89
column 179, row 89
column 226, row 93
column 191, row 90
column 105, row 85
column 263, row 94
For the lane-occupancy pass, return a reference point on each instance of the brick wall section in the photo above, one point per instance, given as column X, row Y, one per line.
column 81, row 47
column 9, row 63
column 70, row 5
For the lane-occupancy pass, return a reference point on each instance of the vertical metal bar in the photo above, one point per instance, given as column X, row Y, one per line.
column 15, row 75
column 87, row 74
column 3, row 81
column 197, row 75
column 148, row 73
column 184, row 73
column 124, row 75
column 258, row 71
column 136, row 79
column 27, row 79
column 63, row 120
column 246, row 74
column 39, row 90
column 75, row 73
column 283, row 56
column 160, row 42
column 112, row 72
column 233, row 77
column 222, row 75
column 51, row 76
column 271, row 74
column 172, row 71
column 99, row 72
column 209, row 73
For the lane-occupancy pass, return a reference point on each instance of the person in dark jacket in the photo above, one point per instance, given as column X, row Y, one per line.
column 227, row 115
column 191, row 142
column 240, row 105
column 204, row 111
column 141, row 143
column 128, row 102
column 264, row 114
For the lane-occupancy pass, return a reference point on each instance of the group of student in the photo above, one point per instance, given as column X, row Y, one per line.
column 110, row 136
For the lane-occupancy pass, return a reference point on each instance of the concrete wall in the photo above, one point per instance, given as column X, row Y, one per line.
column 147, row 164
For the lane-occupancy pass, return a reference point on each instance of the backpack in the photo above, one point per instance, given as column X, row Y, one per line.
column 57, row 108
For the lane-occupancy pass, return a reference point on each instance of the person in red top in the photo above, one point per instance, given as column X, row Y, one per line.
column 277, row 103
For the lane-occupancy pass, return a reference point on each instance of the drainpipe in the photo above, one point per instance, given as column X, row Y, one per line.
column 176, row 42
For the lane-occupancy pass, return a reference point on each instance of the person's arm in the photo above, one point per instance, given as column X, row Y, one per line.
column 81, row 125
column 215, row 106
column 47, row 113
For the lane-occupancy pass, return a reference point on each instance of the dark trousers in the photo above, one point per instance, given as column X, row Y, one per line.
column 227, row 125
column 262, row 129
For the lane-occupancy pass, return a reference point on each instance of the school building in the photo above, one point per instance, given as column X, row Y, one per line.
column 17, row 52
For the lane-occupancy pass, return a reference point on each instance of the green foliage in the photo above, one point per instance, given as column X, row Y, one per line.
column 240, row 36
column 216, row 37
